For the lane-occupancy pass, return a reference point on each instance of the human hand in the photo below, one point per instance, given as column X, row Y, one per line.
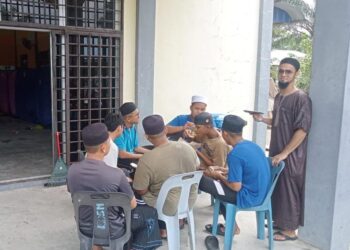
column 215, row 172
column 189, row 133
column 258, row 117
column 278, row 158
column 189, row 125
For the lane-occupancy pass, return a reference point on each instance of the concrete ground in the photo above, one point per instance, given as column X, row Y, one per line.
column 42, row 218
column 25, row 150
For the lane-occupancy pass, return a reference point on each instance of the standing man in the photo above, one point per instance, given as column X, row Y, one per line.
column 168, row 158
column 92, row 174
column 181, row 125
column 128, row 142
column 290, row 123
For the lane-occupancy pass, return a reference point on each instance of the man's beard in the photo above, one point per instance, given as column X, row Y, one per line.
column 283, row 85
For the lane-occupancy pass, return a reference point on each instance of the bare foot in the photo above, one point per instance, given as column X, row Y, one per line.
column 163, row 233
column 237, row 229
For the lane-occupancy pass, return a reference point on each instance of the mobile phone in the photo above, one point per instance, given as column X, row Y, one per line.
column 252, row 112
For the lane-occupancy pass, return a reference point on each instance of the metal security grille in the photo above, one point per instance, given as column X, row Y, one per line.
column 87, row 81
column 30, row 11
column 94, row 13
column 105, row 14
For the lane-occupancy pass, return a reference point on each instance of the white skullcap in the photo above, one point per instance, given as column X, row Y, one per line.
column 199, row 98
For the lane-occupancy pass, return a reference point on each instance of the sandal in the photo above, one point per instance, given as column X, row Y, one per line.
column 220, row 229
column 284, row 237
column 211, row 243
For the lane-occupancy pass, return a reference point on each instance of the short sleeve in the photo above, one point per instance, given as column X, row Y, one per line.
column 120, row 141
column 136, row 140
column 175, row 122
column 235, row 169
column 303, row 113
column 141, row 177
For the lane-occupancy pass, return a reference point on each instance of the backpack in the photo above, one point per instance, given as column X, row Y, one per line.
column 145, row 228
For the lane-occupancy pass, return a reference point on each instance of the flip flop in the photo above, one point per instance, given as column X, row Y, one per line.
column 219, row 231
column 211, row 243
column 286, row 237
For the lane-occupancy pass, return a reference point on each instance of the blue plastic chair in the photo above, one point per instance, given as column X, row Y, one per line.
column 185, row 182
column 263, row 211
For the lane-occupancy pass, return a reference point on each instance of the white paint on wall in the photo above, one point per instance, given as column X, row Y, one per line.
column 206, row 47
column 129, row 50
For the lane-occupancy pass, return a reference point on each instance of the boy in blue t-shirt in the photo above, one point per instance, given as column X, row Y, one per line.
column 128, row 142
column 247, row 180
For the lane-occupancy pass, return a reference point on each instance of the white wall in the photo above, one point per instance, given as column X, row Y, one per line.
column 129, row 42
column 209, row 48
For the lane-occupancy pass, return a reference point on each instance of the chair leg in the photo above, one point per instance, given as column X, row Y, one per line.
column 173, row 233
column 85, row 242
column 215, row 216
column 260, row 224
column 270, row 228
column 230, row 224
column 191, row 230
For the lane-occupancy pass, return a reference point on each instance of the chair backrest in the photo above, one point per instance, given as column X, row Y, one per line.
column 275, row 173
column 100, row 202
column 183, row 181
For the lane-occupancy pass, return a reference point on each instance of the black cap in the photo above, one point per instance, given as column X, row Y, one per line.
column 292, row 61
column 127, row 108
column 203, row 118
column 94, row 134
column 233, row 124
column 153, row 124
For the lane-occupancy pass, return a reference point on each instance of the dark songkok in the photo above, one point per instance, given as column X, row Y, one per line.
column 203, row 118
column 127, row 108
column 153, row 124
column 94, row 134
column 291, row 61
column 233, row 124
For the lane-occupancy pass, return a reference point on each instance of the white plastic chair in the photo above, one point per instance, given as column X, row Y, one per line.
column 183, row 181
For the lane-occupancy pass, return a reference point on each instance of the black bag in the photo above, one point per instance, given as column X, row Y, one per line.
column 145, row 228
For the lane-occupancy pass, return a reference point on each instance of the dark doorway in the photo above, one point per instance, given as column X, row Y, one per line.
column 25, row 105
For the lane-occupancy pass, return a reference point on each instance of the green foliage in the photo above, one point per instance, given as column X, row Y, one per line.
column 305, row 65
column 285, row 39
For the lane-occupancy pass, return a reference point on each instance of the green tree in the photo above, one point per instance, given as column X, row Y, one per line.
column 296, row 35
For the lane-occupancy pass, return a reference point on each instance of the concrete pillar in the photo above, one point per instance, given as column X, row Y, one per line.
column 146, row 13
column 327, row 220
column 263, row 68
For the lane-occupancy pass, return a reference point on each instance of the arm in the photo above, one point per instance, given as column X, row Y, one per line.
column 297, row 138
column 174, row 129
column 235, row 186
column 141, row 150
column 133, row 203
column 205, row 158
column 260, row 118
column 126, row 155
